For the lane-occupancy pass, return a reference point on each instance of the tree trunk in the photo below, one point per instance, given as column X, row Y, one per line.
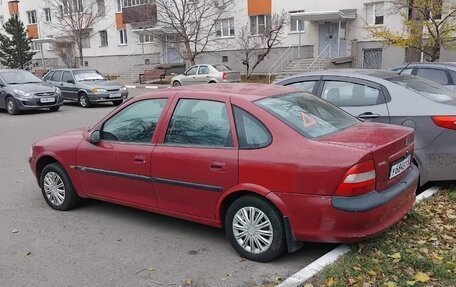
column 81, row 57
column 413, row 54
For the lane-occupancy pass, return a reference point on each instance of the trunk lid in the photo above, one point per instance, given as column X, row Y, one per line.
column 389, row 145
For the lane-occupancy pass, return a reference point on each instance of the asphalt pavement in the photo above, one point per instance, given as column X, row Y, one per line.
column 102, row 244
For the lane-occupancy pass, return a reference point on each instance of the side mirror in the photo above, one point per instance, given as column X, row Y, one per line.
column 95, row 137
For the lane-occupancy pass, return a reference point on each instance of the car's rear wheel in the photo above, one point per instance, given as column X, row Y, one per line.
column 176, row 84
column 84, row 100
column 117, row 103
column 11, row 107
column 54, row 109
column 255, row 229
column 57, row 189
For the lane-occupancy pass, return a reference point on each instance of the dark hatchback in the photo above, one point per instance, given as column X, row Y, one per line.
column 21, row 90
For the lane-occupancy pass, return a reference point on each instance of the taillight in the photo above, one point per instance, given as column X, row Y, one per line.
column 224, row 76
column 359, row 179
column 447, row 122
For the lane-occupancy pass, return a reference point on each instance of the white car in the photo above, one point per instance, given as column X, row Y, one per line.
column 207, row 74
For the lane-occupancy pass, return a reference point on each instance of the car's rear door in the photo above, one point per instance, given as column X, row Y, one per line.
column 196, row 157
column 361, row 98
column 118, row 168
column 203, row 74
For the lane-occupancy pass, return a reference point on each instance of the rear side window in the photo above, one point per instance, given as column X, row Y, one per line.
column 203, row 70
column 251, row 132
column 57, row 76
column 435, row 75
column 307, row 114
column 222, row 68
column 306, row 86
column 345, row 94
column 199, row 123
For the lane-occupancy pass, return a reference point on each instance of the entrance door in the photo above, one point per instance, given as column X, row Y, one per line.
column 172, row 49
column 329, row 33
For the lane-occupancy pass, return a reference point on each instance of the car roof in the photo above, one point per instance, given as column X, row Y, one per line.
column 435, row 64
column 73, row 69
column 249, row 92
column 12, row 70
column 368, row 74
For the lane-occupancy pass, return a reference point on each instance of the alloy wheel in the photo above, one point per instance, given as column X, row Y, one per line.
column 54, row 188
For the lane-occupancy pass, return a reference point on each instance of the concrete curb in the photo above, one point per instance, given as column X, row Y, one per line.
column 313, row 268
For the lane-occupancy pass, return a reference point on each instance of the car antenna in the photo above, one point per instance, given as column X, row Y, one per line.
column 406, row 66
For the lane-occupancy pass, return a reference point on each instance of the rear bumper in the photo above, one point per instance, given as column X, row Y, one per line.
column 334, row 219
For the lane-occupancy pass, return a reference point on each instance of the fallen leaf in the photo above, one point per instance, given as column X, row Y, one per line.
column 390, row 284
column 330, row 282
column 422, row 277
column 28, row 253
column 150, row 269
column 351, row 281
column 450, row 265
column 372, row 272
column 14, row 231
column 421, row 242
column 410, row 283
column 308, row 285
column 395, row 255
column 188, row 282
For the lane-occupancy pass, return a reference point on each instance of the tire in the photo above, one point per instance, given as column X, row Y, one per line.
column 53, row 176
column 54, row 109
column 83, row 100
column 271, row 223
column 176, row 84
column 11, row 106
column 117, row 103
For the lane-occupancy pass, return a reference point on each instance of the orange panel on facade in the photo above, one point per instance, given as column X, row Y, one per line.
column 32, row 31
column 259, row 7
column 119, row 21
column 13, row 8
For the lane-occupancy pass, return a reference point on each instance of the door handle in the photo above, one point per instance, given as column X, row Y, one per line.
column 61, row 84
column 140, row 159
column 368, row 115
column 218, row 166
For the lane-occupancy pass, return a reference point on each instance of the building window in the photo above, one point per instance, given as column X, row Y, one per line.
column 259, row 23
column 47, row 14
column 35, row 46
column 85, row 40
column 103, row 38
column 224, row 59
column 71, row 6
column 123, row 37
column 119, row 5
column 224, row 27
column 375, row 13
column 146, row 38
column 31, row 15
column 296, row 24
column 130, row 3
column 101, row 7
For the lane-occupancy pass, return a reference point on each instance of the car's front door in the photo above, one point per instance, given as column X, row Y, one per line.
column 190, row 76
column 196, row 158
column 118, row 167
column 363, row 99
column 67, row 86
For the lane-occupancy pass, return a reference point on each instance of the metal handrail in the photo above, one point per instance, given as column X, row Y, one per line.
column 286, row 56
column 320, row 57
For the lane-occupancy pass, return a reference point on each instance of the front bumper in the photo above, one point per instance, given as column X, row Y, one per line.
column 107, row 97
column 34, row 103
column 349, row 219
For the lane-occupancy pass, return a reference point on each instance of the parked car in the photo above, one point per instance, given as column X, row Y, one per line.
column 86, row 86
column 209, row 74
column 21, row 90
column 270, row 164
column 441, row 73
column 384, row 96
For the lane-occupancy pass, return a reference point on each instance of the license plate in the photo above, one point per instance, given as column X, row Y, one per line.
column 399, row 167
column 47, row 100
column 115, row 95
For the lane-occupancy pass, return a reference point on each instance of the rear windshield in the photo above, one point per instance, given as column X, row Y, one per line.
column 426, row 88
column 307, row 114
column 222, row 68
column 86, row 75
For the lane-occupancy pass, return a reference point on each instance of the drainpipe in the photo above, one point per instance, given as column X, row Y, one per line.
column 338, row 40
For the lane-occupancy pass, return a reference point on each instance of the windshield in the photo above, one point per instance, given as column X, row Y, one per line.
column 222, row 68
column 307, row 114
column 426, row 88
column 85, row 75
column 19, row 77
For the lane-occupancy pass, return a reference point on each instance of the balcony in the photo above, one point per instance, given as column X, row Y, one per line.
column 142, row 13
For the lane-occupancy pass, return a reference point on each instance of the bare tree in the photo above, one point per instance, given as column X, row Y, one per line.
column 75, row 19
column 66, row 51
column 429, row 25
column 193, row 21
column 260, row 45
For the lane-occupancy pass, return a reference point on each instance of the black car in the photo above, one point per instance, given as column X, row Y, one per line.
column 21, row 90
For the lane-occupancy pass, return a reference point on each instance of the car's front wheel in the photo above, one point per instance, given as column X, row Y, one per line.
column 11, row 107
column 84, row 100
column 176, row 84
column 57, row 189
column 255, row 229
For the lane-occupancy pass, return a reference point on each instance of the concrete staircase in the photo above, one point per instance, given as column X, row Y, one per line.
column 303, row 65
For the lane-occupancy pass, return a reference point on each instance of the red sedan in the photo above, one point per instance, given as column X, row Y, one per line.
column 272, row 165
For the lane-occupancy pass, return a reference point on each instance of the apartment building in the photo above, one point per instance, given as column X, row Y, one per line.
column 126, row 39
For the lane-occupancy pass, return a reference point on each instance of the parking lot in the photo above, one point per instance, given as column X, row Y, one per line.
column 101, row 244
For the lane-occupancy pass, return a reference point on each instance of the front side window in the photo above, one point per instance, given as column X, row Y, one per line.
column 67, row 77
column 224, row 27
column 57, row 76
column 136, row 123
column 375, row 13
column 31, row 15
column 435, row 75
column 199, row 123
column 251, row 132
column 191, row 71
column 346, row 94
column 307, row 114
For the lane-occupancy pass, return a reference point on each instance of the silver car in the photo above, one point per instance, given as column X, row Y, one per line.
column 207, row 74
column 441, row 73
column 384, row 96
